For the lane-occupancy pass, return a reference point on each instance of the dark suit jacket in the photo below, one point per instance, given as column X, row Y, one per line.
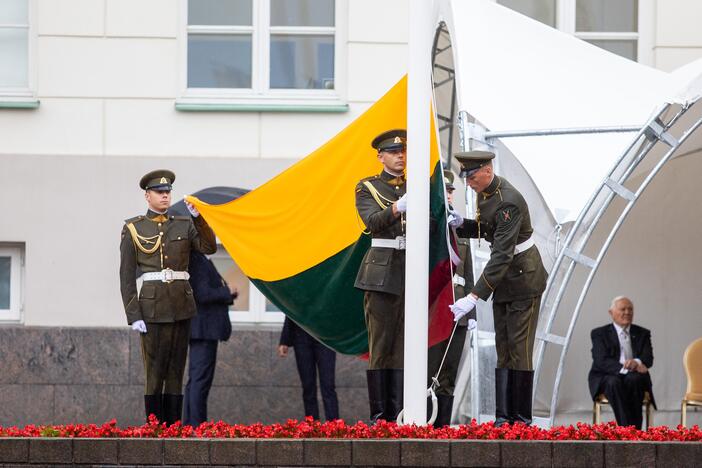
column 606, row 351
column 212, row 297
column 293, row 334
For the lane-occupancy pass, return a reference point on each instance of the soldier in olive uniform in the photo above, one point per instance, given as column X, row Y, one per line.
column 381, row 204
column 514, row 276
column 462, row 284
column 159, row 245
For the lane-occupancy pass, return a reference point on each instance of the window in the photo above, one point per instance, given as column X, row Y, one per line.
column 15, row 77
column 621, row 27
column 251, row 306
column 11, row 264
column 262, row 50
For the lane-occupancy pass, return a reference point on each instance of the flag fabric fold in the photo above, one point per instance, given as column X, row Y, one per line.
column 300, row 240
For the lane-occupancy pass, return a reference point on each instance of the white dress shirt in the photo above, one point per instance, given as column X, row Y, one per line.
column 625, row 350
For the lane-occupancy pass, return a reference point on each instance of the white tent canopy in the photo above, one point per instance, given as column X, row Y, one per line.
column 512, row 73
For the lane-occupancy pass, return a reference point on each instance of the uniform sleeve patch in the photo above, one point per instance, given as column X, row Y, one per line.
column 506, row 215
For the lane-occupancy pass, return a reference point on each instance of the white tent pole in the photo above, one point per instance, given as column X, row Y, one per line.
column 417, row 264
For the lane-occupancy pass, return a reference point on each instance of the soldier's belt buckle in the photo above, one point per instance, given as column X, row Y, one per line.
column 167, row 275
column 401, row 242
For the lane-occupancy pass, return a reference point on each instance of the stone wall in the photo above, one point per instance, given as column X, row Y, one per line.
column 337, row 452
column 91, row 375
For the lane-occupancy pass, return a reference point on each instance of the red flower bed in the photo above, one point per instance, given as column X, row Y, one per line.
column 340, row 430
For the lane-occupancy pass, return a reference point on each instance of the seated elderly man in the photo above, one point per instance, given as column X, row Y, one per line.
column 621, row 356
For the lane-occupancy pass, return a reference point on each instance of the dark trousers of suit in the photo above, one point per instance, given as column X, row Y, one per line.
column 625, row 393
column 201, row 368
column 312, row 358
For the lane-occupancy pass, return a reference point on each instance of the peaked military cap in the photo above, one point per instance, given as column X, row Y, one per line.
column 448, row 180
column 160, row 179
column 392, row 140
column 471, row 161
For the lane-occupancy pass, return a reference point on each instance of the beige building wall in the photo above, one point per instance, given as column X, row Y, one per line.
column 108, row 75
column 678, row 36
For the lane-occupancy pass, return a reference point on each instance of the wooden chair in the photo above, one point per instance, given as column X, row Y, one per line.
column 602, row 400
column 692, row 362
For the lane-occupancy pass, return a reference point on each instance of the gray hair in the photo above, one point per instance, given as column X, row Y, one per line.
column 617, row 299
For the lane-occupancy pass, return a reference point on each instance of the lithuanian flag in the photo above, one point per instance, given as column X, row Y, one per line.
column 300, row 240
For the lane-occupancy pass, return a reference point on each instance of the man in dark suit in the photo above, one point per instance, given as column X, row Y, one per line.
column 311, row 357
column 621, row 356
column 211, row 325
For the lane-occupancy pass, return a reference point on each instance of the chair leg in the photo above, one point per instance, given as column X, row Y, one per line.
column 683, row 414
column 649, row 416
column 596, row 413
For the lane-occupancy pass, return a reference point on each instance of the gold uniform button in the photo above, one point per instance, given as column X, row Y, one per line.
column 159, row 224
column 160, row 233
column 178, row 237
column 165, row 256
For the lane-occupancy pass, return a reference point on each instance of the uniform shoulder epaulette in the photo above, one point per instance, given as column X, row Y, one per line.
column 180, row 218
column 368, row 179
column 134, row 219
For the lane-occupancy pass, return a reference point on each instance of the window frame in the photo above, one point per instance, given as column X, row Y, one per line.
column 260, row 92
column 17, row 266
column 25, row 96
column 256, row 313
column 566, row 21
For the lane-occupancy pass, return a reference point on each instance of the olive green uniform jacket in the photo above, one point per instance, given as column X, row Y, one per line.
column 382, row 269
column 504, row 221
column 175, row 236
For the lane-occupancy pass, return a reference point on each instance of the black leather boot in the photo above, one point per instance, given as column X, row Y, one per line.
column 521, row 386
column 376, row 394
column 394, row 385
column 152, row 405
column 502, row 397
column 172, row 408
column 443, row 416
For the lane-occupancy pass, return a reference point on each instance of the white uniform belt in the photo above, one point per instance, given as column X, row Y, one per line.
column 527, row 244
column 398, row 243
column 459, row 280
column 166, row 275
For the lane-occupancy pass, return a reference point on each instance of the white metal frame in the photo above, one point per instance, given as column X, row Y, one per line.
column 16, row 254
column 25, row 93
column 260, row 92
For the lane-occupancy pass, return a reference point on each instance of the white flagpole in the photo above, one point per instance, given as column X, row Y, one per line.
column 417, row 264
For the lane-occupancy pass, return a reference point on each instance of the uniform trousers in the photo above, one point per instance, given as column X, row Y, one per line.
column 312, row 357
column 385, row 321
column 164, row 349
column 625, row 393
column 515, row 331
column 201, row 369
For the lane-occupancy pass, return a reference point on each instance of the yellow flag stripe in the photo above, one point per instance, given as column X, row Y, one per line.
column 307, row 213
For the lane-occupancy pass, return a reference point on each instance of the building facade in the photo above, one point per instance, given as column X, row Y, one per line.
column 95, row 93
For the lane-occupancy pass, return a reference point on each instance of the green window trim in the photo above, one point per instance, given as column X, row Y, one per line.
column 222, row 107
column 30, row 104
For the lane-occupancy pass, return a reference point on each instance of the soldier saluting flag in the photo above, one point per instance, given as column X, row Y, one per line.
column 159, row 245
column 514, row 276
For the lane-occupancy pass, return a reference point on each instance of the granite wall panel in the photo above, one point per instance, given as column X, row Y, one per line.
column 91, row 375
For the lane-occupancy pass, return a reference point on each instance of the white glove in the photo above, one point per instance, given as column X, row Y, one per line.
column 462, row 307
column 402, row 204
column 193, row 211
column 139, row 326
column 454, row 219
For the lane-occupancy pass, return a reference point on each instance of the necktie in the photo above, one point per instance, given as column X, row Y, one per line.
column 626, row 345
